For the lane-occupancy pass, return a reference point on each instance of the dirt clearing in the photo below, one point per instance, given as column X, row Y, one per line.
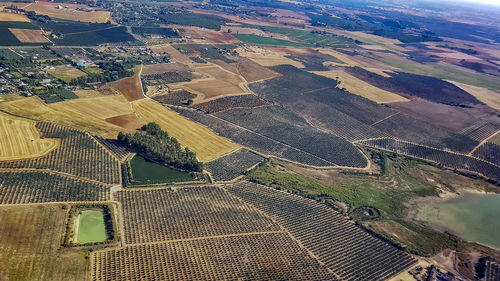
column 29, row 35
column 130, row 87
column 128, row 121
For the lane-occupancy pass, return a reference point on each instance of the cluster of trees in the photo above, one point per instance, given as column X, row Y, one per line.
column 111, row 71
column 155, row 144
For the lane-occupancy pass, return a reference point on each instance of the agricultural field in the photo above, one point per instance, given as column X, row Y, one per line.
column 226, row 103
column 18, row 187
column 361, row 88
column 343, row 247
column 19, row 139
column 166, row 32
column 192, row 19
column 261, row 40
column 9, row 39
column 160, row 68
column 266, row 57
column 29, row 35
column 178, row 97
column 206, row 144
column 78, row 113
column 273, row 256
column 8, row 16
column 69, row 12
column 66, row 73
column 253, row 72
column 78, row 154
column 231, row 166
column 130, row 87
column 191, row 212
column 30, row 245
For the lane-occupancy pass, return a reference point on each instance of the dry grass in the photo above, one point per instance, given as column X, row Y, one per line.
column 174, row 53
column 66, row 73
column 82, row 93
column 366, row 63
column 218, row 82
column 253, row 71
column 206, row 144
column 83, row 114
column 30, row 245
column 361, row 88
column 19, row 139
column 201, row 35
column 164, row 67
column 130, row 87
column 266, row 57
column 127, row 121
column 29, row 35
column 487, row 96
column 50, row 9
column 6, row 16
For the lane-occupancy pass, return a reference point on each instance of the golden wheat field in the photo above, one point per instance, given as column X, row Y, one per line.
column 206, row 144
column 19, row 139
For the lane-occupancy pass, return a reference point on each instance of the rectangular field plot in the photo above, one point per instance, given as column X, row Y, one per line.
column 35, row 187
column 248, row 257
column 349, row 251
column 30, row 245
column 161, row 215
column 232, row 165
column 29, row 35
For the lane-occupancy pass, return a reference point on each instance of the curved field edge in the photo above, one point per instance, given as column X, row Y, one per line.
column 20, row 139
column 205, row 143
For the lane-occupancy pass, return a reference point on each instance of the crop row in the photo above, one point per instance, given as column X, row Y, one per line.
column 116, row 149
column 78, row 154
column 175, row 98
column 290, row 129
column 488, row 152
column 481, row 132
column 251, row 139
column 160, row 215
column 249, row 257
column 446, row 159
column 346, row 249
column 232, row 165
column 231, row 102
column 36, row 187
column 492, row 271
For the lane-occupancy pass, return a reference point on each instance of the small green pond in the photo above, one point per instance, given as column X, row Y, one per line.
column 91, row 227
column 147, row 172
column 471, row 216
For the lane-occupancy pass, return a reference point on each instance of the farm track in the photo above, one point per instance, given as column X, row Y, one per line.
column 481, row 143
column 54, row 172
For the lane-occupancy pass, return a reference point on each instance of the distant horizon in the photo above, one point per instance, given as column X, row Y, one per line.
column 483, row 2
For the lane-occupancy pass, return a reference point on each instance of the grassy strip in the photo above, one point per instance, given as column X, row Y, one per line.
column 303, row 35
column 260, row 40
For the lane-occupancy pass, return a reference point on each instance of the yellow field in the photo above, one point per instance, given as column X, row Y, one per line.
column 85, row 114
column 487, row 96
column 206, row 144
column 66, row 73
column 6, row 16
column 50, row 9
column 361, row 88
column 266, row 57
column 19, row 139
column 29, row 35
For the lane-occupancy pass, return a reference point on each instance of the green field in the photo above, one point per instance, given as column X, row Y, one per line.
column 8, row 39
column 260, row 40
column 91, row 227
column 146, row 172
column 302, row 35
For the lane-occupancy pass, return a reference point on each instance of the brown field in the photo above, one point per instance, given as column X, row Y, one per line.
column 50, row 9
column 130, row 87
column 29, row 35
column 127, row 121
column 487, row 96
column 81, row 93
column 206, row 35
column 30, row 245
column 174, row 53
column 366, row 63
column 66, row 73
column 19, row 139
column 163, row 67
column 82, row 114
column 253, row 71
column 6, row 16
column 266, row 57
column 361, row 88
column 206, row 144
column 220, row 82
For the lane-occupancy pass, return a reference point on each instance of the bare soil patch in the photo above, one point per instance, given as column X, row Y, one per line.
column 29, row 35
column 128, row 121
column 6, row 16
column 164, row 67
column 130, row 87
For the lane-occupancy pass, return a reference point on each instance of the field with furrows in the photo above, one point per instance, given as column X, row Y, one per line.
column 271, row 256
column 162, row 215
column 39, row 187
column 78, row 154
column 232, row 165
column 350, row 252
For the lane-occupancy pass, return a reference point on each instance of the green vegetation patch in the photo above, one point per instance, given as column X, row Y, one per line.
column 191, row 19
column 303, row 35
column 91, row 227
column 145, row 172
column 164, row 31
column 117, row 34
column 8, row 54
column 261, row 40
column 52, row 95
